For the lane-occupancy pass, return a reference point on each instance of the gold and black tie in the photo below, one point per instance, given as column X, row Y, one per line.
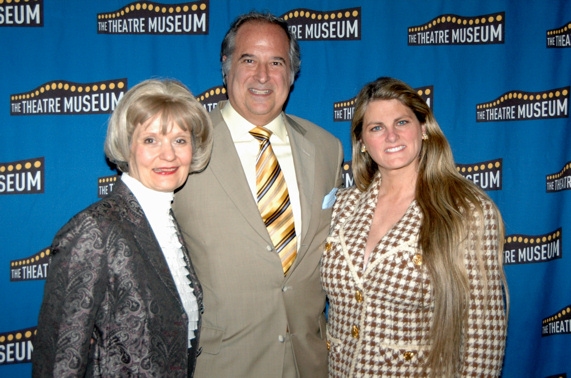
column 273, row 200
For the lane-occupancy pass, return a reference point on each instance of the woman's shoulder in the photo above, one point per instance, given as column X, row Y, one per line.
column 345, row 201
column 107, row 207
column 485, row 202
column 101, row 220
column 100, row 214
column 347, row 194
column 484, row 210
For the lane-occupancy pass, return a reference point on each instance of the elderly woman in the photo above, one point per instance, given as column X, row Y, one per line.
column 121, row 297
column 412, row 267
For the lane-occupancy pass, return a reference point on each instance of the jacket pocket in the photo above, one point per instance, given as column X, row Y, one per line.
column 405, row 356
column 211, row 339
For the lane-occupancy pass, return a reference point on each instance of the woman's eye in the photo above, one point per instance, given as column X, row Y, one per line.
column 148, row 140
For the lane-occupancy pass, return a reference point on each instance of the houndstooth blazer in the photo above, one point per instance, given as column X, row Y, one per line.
column 379, row 319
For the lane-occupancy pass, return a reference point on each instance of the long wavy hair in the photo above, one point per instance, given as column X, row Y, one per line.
column 449, row 203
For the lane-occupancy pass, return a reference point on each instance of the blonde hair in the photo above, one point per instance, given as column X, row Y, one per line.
column 173, row 103
column 449, row 203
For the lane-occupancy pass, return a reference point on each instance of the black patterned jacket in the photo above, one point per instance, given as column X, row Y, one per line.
column 111, row 307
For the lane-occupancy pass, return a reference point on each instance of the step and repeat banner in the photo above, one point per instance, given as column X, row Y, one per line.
column 496, row 73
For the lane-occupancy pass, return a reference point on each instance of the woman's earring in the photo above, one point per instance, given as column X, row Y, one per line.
column 363, row 148
column 424, row 136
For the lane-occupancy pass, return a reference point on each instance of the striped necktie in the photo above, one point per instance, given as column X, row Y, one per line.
column 273, row 200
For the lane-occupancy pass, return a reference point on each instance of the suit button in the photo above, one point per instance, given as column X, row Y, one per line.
column 358, row 296
column 269, row 248
column 408, row 355
column 328, row 246
column 328, row 345
column 281, row 338
column 355, row 331
column 417, row 259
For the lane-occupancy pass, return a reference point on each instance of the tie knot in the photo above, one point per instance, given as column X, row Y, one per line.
column 260, row 133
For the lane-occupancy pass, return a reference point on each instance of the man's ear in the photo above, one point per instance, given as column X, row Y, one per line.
column 224, row 57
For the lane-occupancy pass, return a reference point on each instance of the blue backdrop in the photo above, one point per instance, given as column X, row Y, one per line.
column 497, row 74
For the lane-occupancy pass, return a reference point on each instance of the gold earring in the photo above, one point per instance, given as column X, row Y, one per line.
column 424, row 136
column 363, row 148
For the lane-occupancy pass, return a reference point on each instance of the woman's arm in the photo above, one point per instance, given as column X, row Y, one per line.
column 485, row 333
column 74, row 289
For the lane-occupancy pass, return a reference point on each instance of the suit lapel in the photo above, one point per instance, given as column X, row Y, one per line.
column 303, row 153
column 226, row 167
column 146, row 240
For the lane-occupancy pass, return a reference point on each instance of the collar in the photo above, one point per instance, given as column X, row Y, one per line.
column 240, row 127
column 151, row 201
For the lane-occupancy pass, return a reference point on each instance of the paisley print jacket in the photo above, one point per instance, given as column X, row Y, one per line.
column 111, row 307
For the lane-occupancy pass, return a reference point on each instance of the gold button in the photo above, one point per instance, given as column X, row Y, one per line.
column 328, row 246
column 328, row 345
column 417, row 259
column 358, row 296
column 408, row 355
column 355, row 332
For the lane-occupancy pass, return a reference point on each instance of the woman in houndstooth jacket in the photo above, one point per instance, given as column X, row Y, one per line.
column 412, row 267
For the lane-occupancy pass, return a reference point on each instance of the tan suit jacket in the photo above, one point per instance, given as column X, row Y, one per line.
column 256, row 322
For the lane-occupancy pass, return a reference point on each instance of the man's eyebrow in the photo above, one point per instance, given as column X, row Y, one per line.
column 277, row 57
column 280, row 59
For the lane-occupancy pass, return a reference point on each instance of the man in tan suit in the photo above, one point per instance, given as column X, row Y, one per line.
column 261, row 319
